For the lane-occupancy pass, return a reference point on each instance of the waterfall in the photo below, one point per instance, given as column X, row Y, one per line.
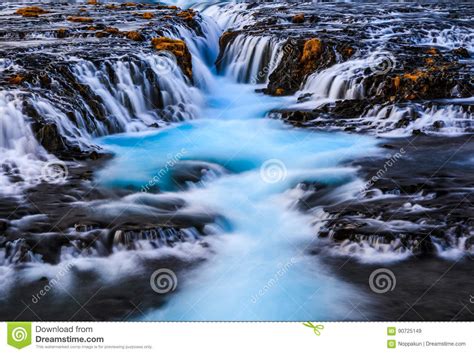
column 251, row 59
column 229, row 15
column 20, row 154
column 340, row 81
column 442, row 119
column 140, row 91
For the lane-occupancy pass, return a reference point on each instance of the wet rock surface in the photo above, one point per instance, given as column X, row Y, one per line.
column 417, row 201
column 42, row 47
column 368, row 57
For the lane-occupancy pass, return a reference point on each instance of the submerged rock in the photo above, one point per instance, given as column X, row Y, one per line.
column 298, row 18
column 31, row 11
column 80, row 19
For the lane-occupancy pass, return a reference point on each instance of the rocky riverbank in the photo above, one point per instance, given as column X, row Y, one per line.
column 403, row 68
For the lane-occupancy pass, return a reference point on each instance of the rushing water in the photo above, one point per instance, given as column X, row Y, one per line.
column 253, row 170
column 218, row 159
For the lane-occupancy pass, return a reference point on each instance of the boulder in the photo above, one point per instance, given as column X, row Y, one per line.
column 299, row 18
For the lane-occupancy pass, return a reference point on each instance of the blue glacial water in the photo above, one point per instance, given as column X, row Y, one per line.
column 260, row 270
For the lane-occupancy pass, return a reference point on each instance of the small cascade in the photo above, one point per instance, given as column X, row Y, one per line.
column 17, row 251
column 340, row 81
column 251, row 59
column 453, row 37
column 141, row 91
column 373, row 249
column 204, row 50
column 396, row 121
column 229, row 15
column 20, row 154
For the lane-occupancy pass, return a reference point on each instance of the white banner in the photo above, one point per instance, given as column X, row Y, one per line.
column 252, row 337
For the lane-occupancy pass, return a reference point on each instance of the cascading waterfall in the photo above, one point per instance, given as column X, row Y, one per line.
column 135, row 91
column 340, row 81
column 443, row 119
column 230, row 15
column 251, row 59
column 256, row 246
column 20, row 154
column 139, row 89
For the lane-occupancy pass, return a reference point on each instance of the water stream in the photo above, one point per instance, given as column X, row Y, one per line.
column 253, row 174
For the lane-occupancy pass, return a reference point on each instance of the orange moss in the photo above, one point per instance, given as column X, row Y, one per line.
column 80, row 19
column 187, row 15
column 31, row 11
column 111, row 7
column 129, row 4
column 414, row 76
column 396, row 82
column 429, row 61
column 279, row 91
column 299, row 18
column 61, row 33
column 101, row 34
column 148, row 15
column 176, row 46
column 179, row 50
column 432, row 51
column 348, row 52
column 312, row 50
column 91, row 28
column 92, row 2
column 134, row 36
column 112, row 30
column 16, row 80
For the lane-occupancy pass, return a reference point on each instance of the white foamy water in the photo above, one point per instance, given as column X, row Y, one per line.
column 260, row 269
